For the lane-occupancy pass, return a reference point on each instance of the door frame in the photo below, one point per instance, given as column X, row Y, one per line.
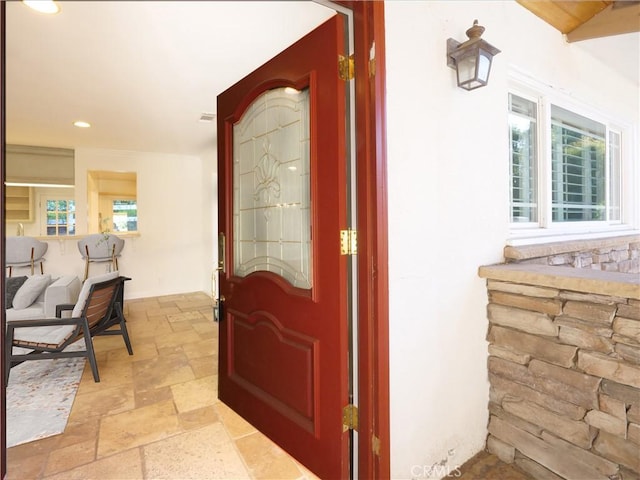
column 373, row 298
column 3, row 233
column 372, row 226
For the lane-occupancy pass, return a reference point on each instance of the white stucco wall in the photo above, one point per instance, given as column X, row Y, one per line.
column 448, row 209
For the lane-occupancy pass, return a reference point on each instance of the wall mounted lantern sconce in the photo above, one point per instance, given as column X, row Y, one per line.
column 471, row 59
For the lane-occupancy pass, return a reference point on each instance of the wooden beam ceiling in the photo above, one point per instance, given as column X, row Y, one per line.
column 581, row 20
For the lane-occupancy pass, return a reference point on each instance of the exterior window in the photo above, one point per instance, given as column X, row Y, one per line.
column 578, row 167
column 61, row 217
column 615, row 176
column 566, row 169
column 523, row 130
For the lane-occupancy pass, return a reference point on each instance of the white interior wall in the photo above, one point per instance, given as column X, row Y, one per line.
column 448, row 176
column 176, row 201
column 209, row 183
column 169, row 256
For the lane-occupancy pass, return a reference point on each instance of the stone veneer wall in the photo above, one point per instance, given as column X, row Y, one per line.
column 613, row 254
column 564, row 370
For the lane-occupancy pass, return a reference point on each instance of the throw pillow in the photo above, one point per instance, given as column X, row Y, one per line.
column 11, row 286
column 86, row 286
column 30, row 291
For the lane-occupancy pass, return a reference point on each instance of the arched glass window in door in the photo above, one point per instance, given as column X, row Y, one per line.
column 272, row 198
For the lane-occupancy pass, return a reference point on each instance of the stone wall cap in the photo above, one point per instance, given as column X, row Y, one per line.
column 566, row 278
column 524, row 252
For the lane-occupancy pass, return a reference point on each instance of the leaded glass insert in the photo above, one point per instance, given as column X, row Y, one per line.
column 271, row 187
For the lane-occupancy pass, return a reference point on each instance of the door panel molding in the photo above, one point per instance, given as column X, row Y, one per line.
column 261, row 333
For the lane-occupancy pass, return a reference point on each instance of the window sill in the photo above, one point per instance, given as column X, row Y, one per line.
column 559, row 244
column 535, row 236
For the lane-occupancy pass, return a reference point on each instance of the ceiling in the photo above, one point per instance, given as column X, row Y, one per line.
column 586, row 19
column 142, row 73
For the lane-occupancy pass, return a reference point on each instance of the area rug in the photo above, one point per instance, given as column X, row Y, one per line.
column 40, row 395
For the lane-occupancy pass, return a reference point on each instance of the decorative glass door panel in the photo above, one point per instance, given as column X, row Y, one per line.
column 271, row 215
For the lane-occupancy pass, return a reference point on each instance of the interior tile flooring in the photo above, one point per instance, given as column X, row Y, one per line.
column 155, row 415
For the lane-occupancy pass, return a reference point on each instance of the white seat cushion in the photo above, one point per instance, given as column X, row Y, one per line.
column 32, row 312
column 51, row 335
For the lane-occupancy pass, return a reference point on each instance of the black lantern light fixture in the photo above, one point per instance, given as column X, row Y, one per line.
column 471, row 59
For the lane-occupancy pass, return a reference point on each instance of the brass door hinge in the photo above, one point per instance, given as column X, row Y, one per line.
column 346, row 67
column 348, row 242
column 349, row 418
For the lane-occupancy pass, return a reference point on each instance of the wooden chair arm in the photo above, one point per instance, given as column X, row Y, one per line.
column 43, row 322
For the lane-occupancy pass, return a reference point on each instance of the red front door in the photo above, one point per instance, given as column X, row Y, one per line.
column 283, row 201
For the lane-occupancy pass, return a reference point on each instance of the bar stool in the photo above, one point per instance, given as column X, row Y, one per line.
column 25, row 252
column 100, row 248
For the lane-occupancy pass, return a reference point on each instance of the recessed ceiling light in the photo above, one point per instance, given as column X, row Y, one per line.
column 42, row 6
column 81, row 124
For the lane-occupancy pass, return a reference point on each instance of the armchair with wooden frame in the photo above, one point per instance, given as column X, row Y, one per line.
column 97, row 312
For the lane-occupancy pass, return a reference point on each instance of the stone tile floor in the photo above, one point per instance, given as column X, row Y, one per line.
column 156, row 415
